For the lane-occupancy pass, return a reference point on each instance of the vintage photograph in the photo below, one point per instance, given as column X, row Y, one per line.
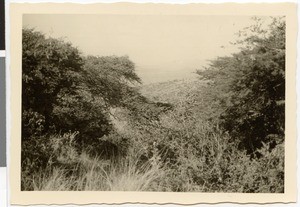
column 163, row 103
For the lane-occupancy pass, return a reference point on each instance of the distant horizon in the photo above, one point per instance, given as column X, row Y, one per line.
column 163, row 48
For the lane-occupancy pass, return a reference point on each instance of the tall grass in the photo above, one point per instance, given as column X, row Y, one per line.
column 213, row 165
column 95, row 174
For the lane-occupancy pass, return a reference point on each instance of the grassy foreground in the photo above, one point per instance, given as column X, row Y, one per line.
column 220, row 167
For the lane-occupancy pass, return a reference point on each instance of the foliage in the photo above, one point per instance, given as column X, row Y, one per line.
column 48, row 150
column 91, row 174
column 223, row 132
column 48, row 67
column 64, row 92
column 212, row 165
column 109, row 77
column 61, row 88
column 249, row 87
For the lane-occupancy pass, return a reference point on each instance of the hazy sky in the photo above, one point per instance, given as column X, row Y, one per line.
column 162, row 47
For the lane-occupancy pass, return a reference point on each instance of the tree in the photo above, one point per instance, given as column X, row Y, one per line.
column 110, row 77
column 49, row 66
column 63, row 91
column 104, row 84
column 250, row 86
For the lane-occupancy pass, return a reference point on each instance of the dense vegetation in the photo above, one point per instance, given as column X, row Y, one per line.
column 88, row 124
column 250, row 87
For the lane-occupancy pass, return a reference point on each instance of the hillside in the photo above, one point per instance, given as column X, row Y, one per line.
column 173, row 92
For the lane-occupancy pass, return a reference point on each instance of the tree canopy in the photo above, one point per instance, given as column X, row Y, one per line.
column 249, row 86
column 62, row 90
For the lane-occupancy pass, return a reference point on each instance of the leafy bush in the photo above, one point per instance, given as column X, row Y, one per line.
column 48, row 67
column 42, row 151
column 250, row 87
column 63, row 91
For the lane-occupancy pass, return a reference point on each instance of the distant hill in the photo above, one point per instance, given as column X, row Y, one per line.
column 174, row 92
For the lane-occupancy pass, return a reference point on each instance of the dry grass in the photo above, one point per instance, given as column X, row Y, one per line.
column 94, row 174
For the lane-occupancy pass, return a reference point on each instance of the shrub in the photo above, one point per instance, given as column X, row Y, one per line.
column 63, row 91
column 42, row 151
column 249, row 86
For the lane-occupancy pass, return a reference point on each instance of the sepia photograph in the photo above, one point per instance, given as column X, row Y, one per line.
column 153, row 103
column 120, row 103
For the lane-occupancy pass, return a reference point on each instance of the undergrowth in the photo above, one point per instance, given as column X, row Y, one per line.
column 214, row 165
